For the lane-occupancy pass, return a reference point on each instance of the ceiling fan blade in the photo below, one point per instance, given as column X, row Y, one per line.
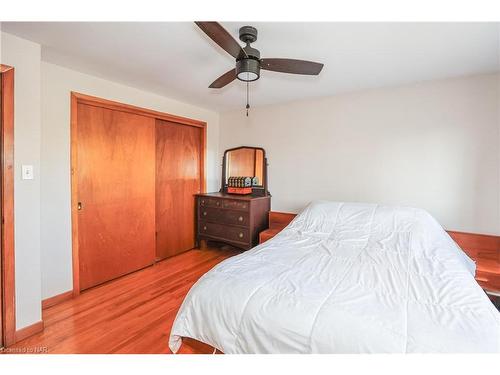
column 291, row 66
column 220, row 36
column 224, row 79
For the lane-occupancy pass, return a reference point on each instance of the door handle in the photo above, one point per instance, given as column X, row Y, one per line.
column 79, row 206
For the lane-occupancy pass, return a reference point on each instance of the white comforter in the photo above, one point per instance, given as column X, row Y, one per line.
column 344, row 278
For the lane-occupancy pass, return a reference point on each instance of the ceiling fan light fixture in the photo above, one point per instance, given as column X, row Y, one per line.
column 248, row 70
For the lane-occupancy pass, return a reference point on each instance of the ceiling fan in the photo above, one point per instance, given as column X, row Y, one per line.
column 248, row 61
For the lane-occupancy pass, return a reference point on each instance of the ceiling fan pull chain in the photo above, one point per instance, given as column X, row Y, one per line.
column 248, row 105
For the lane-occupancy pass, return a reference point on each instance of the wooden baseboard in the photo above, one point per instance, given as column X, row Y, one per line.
column 52, row 301
column 28, row 331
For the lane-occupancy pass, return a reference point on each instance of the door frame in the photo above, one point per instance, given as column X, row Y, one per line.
column 7, row 207
column 78, row 98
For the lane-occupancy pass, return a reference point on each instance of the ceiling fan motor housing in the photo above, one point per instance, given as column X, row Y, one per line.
column 248, row 34
column 248, row 62
column 248, row 69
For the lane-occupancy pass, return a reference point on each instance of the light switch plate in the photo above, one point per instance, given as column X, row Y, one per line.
column 27, row 172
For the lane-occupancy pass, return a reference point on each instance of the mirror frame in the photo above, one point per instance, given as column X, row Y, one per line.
column 256, row 190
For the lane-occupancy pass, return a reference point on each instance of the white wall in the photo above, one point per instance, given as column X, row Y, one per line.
column 24, row 56
column 57, row 83
column 433, row 145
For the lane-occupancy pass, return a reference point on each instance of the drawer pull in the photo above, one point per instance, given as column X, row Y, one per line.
column 205, row 227
column 203, row 202
column 204, row 213
column 240, row 235
column 218, row 203
column 240, row 218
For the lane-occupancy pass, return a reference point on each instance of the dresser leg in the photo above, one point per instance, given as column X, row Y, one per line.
column 203, row 244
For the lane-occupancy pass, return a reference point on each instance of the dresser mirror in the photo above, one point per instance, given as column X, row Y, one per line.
column 245, row 161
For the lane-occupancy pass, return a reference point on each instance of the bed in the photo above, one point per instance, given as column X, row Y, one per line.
column 344, row 278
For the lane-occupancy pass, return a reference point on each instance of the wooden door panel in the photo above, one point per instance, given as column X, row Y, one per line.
column 178, row 178
column 116, row 187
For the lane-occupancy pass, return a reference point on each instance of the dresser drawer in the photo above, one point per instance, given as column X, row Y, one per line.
column 224, row 232
column 235, row 204
column 209, row 202
column 231, row 217
column 210, row 214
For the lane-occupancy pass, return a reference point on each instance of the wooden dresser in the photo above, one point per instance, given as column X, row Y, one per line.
column 232, row 219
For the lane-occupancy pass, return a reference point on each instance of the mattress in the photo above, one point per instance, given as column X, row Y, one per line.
column 344, row 278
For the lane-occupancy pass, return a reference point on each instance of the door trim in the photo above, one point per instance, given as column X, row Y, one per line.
column 78, row 98
column 7, row 207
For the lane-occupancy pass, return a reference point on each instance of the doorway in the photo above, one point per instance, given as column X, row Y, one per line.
column 7, row 301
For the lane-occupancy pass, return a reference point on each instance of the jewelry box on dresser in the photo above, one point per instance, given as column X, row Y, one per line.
column 236, row 219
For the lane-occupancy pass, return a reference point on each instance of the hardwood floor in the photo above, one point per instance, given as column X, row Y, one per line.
column 132, row 314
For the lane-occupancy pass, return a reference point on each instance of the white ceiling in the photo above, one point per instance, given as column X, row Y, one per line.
column 177, row 60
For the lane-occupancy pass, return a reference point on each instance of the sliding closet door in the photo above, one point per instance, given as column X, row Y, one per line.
column 116, row 193
column 178, row 178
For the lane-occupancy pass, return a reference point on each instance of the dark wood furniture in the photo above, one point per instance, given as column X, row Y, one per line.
column 483, row 249
column 236, row 219
column 232, row 219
